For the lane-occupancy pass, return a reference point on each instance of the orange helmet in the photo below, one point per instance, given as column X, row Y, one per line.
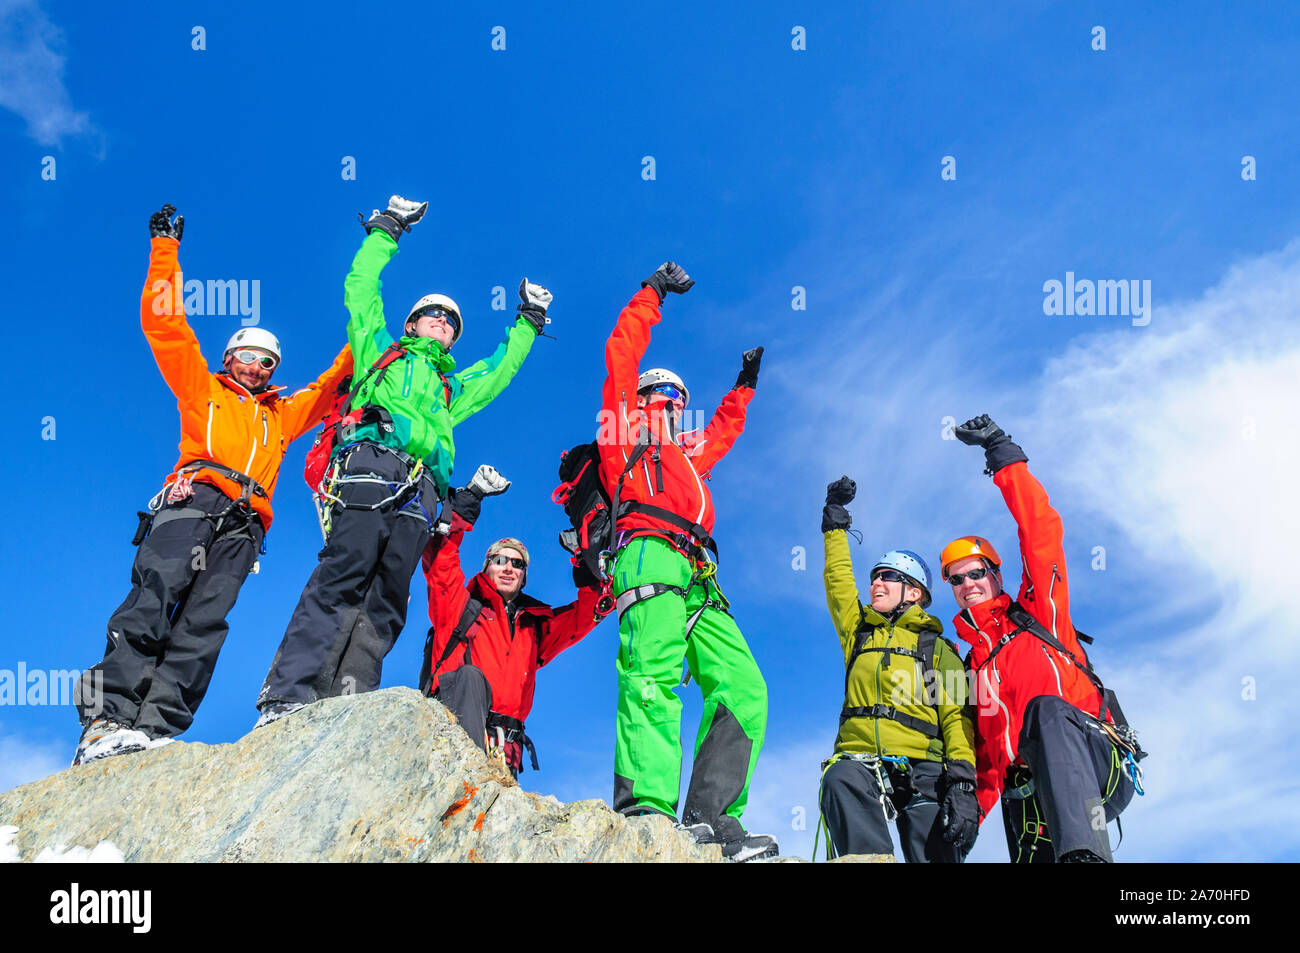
column 964, row 546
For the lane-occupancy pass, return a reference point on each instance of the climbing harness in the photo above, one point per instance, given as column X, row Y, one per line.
column 231, row 522
column 406, row 493
column 876, row 763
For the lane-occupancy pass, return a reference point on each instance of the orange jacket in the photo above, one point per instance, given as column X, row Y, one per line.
column 676, row 481
column 220, row 419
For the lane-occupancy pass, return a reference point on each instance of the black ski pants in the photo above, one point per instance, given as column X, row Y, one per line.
column 1075, row 784
column 164, row 639
column 354, row 605
column 855, row 821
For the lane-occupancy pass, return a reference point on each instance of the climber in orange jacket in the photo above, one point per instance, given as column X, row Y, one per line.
column 204, row 529
column 488, row 637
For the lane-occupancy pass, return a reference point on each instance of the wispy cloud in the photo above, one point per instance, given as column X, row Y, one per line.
column 31, row 74
column 1177, row 441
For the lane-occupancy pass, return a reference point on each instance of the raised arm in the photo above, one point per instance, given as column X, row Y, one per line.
column 728, row 421
column 841, row 588
column 1043, row 588
column 162, row 312
column 568, row 625
column 304, row 409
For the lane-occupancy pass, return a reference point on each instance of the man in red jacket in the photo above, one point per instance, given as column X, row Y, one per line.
column 488, row 637
column 1040, row 742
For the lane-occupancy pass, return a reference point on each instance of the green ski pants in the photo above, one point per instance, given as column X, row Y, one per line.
column 652, row 645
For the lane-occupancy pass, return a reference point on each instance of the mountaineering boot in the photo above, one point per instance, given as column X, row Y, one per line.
column 701, row 833
column 103, row 738
column 275, row 711
column 738, row 845
column 1081, row 857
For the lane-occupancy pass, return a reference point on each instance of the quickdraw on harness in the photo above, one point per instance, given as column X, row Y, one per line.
column 705, row 575
column 325, row 465
column 876, row 763
column 182, row 488
column 405, row 492
column 508, row 730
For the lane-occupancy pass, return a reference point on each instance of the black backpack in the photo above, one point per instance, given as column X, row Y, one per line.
column 587, row 505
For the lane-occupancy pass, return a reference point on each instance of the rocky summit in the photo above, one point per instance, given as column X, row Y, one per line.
column 383, row 776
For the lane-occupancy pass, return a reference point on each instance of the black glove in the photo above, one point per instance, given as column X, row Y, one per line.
column 400, row 215
column 750, row 360
column 162, row 226
column 669, row 277
column 834, row 515
column 466, row 504
column 841, row 491
column 999, row 451
column 960, row 815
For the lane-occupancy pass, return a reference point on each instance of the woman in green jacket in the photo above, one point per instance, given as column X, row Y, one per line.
column 905, row 749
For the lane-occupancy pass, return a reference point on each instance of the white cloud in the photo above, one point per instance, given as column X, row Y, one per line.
column 31, row 74
column 1181, row 440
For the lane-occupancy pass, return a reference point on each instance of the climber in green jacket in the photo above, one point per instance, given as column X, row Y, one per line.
column 390, row 468
column 905, row 747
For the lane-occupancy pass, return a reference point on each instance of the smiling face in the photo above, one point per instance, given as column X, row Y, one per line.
column 252, row 376
column 971, row 592
column 432, row 325
column 507, row 580
column 887, row 596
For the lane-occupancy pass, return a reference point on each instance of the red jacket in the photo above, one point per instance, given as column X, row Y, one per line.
column 676, row 483
column 509, row 656
column 220, row 420
column 1025, row 667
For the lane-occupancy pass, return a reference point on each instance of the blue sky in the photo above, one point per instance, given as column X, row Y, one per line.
column 1172, row 445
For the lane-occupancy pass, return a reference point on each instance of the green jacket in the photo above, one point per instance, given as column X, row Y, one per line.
column 895, row 680
column 415, row 390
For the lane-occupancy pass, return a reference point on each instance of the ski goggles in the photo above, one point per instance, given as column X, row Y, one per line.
column 442, row 314
column 975, row 575
column 500, row 560
column 668, row 390
column 891, row 575
column 251, row 357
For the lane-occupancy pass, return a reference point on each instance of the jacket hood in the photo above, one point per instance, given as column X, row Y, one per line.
column 432, row 350
column 915, row 619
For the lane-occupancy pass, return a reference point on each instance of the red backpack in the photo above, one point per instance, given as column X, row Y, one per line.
column 318, row 457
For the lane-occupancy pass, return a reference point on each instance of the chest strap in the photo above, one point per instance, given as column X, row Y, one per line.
column 891, row 714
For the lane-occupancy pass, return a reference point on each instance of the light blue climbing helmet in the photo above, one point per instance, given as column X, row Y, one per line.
column 910, row 565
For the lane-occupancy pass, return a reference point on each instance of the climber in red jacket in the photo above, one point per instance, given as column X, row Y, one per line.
column 489, row 638
column 1041, row 745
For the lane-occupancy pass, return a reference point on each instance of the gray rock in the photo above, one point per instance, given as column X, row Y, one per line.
column 384, row 776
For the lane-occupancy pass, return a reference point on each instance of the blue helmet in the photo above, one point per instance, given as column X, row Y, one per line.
column 910, row 565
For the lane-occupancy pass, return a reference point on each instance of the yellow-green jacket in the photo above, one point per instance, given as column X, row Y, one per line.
column 887, row 709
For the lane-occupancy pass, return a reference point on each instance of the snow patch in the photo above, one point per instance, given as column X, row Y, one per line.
column 105, row 852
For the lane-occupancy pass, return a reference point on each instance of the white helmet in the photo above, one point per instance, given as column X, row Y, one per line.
column 428, row 303
column 658, row 375
column 253, row 337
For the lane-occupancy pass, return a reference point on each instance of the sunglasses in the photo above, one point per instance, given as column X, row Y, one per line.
column 890, row 575
column 250, row 357
column 669, row 391
column 440, row 314
column 958, row 578
column 499, row 560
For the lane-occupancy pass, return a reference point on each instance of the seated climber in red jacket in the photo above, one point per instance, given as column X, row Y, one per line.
column 489, row 638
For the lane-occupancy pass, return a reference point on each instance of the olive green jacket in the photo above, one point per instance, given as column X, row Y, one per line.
column 927, row 697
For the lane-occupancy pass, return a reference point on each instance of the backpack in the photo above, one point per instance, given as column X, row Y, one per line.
column 1124, row 736
column 586, row 503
